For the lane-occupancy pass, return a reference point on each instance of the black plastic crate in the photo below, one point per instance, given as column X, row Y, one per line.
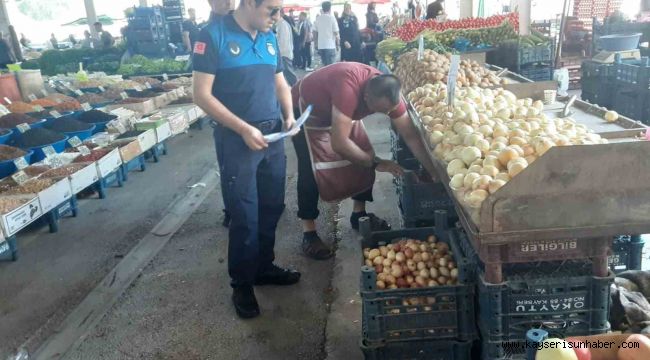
column 535, row 54
column 429, row 313
column 631, row 75
column 537, row 72
column 627, row 254
column 418, row 350
column 599, row 91
column 561, row 302
column 419, row 200
column 633, row 104
column 593, row 69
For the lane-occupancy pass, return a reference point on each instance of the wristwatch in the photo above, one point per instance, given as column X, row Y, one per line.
column 375, row 162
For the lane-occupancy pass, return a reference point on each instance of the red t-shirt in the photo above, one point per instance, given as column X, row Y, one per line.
column 339, row 85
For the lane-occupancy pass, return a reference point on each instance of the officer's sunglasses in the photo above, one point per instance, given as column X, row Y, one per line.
column 274, row 11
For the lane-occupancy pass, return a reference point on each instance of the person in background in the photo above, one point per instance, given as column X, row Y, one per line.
column 306, row 37
column 7, row 55
column 72, row 40
column 87, row 41
column 106, row 40
column 411, row 8
column 350, row 35
column 24, row 41
column 372, row 20
column 395, row 9
column 418, row 9
column 54, row 42
column 434, row 9
column 296, row 44
column 340, row 94
column 326, row 35
column 190, row 30
column 284, row 32
column 220, row 8
column 336, row 15
column 238, row 82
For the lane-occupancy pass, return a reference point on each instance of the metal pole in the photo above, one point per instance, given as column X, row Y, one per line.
column 560, row 40
column 91, row 15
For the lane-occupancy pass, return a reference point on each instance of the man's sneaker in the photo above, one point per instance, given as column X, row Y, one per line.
column 243, row 297
column 276, row 275
column 308, row 69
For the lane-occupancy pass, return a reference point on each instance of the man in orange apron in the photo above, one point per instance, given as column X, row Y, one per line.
column 335, row 158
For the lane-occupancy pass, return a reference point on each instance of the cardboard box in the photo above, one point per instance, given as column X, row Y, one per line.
column 18, row 218
column 84, row 178
column 55, row 195
column 163, row 132
column 109, row 163
column 131, row 150
column 147, row 140
column 151, row 122
column 142, row 108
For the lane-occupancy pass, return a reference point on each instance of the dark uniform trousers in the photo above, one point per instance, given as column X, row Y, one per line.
column 253, row 185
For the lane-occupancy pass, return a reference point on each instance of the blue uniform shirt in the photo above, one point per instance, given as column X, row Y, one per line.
column 244, row 68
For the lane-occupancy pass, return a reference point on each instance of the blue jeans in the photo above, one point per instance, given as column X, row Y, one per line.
column 327, row 56
column 254, row 186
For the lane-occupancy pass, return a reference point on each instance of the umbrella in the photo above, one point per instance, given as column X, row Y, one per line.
column 104, row 19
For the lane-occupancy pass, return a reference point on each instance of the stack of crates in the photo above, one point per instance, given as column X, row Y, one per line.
column 589, row 9
column 419, row 196
column 598, row 83
column 633, row 90
column 147, row 32
column 435, row 323
column 627, row 253
column 532, row 62
column 539, row 284
column 173, row 11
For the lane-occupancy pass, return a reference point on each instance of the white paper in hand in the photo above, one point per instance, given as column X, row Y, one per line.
column 281, row 135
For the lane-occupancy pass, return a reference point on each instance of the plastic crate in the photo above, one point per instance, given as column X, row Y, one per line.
column 633, row 104
column 431, row 313
column 493, row 257
column 535, row 54
column 626, row 254
column 419, row 200
column 599, row 91
column 633, row 76
column 420, row 350
column 537, row 73
column 560, row 302
column 593, row 69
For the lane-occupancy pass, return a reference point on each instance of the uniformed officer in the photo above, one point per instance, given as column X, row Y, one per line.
column 238, row 81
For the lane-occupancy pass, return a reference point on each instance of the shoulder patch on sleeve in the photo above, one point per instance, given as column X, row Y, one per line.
column 199, row 48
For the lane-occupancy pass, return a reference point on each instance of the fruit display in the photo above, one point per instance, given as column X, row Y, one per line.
column 412, row 29
column 490, row 136
column 411, row 263
column 434, row 68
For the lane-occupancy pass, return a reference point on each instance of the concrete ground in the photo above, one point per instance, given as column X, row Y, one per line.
column 179, row 307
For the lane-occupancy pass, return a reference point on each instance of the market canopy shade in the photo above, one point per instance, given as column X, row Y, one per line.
column 364, row 2
column 104, row 19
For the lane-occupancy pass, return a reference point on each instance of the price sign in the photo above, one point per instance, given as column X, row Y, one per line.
column 451, row 79
column 78, row 92
column 137, row 88
column 55, row 161
column 38, row 108
column 124, row 95
column 55, row 114
column 44, row 92
column 7, row 100
column 20, row 177
column 86, row 107
column 20, row 163
column 165, row 77
column 3, row 110
column 75, row 141
column 84, row 150
column 31, row 97
column 22, row 127
column 49, row 151
column 420, row 47
column 102, row 140
column 101, row 88
column 147, row 85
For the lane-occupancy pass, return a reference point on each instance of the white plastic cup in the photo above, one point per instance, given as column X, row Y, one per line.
column 550, row 96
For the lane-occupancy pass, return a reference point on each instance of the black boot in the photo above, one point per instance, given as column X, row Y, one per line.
column 276, row 275
column 243, row 297
column 226, row 218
